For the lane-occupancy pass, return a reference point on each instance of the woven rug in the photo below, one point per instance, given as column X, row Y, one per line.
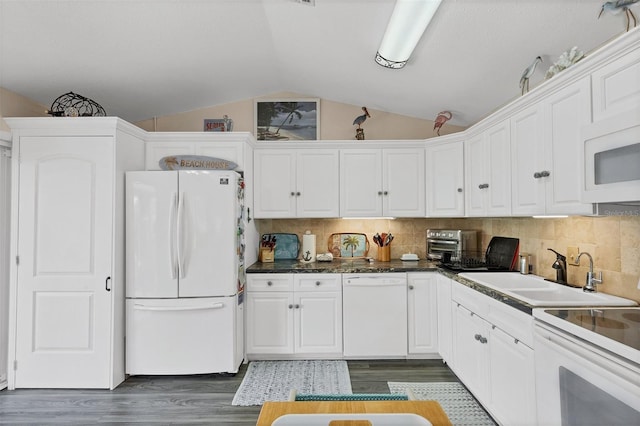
column 460, row 406
column 273, row 380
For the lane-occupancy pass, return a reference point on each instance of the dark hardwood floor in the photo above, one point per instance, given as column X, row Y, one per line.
column 202, row 399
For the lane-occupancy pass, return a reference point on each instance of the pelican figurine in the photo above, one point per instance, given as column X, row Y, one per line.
column 618, row 6
column 528, row 72
column 361, row 118
column 443, row 117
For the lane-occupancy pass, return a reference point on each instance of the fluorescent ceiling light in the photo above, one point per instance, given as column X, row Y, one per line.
column 408, row 21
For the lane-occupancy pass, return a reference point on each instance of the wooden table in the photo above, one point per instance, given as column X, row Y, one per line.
column 431, row 410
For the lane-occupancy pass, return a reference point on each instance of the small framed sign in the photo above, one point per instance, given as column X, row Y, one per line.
column 218, row 124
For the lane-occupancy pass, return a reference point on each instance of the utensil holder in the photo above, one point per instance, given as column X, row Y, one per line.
column 266, row 255
column 384, row 253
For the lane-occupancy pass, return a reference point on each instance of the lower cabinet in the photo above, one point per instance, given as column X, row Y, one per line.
column 422, row 314
column 496, row 366
column 445, row 325
column 294, row 314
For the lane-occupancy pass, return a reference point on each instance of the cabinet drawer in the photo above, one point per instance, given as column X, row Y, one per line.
column 515, row 323
column 472, row 300
column 317, row 282
column 269, row 282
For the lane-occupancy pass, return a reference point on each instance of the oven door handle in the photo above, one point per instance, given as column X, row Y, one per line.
column 443, row 242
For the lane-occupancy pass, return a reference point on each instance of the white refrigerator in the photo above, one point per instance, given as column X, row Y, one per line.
column 184, row 272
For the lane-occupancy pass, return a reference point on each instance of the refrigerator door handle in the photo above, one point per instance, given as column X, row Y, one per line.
column 180, row 234
column 140, row 307
column 172, row 236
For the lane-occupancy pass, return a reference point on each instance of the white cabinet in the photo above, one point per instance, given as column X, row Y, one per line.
column 422, row 313
column 488, row 172
column 68, row 234
column 445, row 325
column 382, row 182
column 493, row 356
column 5, row 208
column 470, row 351
column 616, row 87
column 545, row 142
column 296, row 183
column 227, row 146
column 294, row 315
column 445, row 179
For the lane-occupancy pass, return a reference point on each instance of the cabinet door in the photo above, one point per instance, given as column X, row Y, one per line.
column 565, row 113
column 527, row 160
column 445, row 325
column 445, row 180
column 269, row 322
column 317, row 186
column 498, row 171
column 475, row 159
column 422, row 313
column 274, row 182
column 470, row 351
column 361, row 183
column 616, row 87
column 318, row 322
column 65, row 228
column 512, row 379
column 403, row 182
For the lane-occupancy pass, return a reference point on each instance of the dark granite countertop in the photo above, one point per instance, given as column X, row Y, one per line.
column 351, row 266
column 341, row 266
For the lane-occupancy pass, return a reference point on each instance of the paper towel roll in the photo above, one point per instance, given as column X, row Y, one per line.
column 308, row 247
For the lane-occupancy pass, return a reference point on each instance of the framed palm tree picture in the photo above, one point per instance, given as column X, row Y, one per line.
column 287, row 119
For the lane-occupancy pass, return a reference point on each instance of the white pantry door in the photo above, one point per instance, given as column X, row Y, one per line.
column 63, row 337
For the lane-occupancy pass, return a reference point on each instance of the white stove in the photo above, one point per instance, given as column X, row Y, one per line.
column 587, row 365
column 616, row 330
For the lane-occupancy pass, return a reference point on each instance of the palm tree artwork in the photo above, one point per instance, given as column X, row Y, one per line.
column 294, row 120
column 351, row 242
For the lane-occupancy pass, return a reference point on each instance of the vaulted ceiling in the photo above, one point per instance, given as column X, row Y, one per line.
column 146, row 58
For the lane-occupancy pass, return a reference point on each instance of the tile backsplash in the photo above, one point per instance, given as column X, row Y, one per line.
column 613, row 241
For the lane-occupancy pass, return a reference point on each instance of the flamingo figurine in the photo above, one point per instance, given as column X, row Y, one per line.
column 361, row 118
column 443, row 117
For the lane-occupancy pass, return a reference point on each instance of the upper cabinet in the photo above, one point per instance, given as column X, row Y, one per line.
column 296, row 183
column 445, row 179
column 488, row 172
column 616, row 87
column 382, row 182
column 545, row 146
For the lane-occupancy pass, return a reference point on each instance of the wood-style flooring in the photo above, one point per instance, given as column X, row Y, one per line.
column 201, row 399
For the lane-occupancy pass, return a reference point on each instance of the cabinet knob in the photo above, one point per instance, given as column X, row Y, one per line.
column 386, row 192
column 545, row 173
column 297, row 306
column 269, row 283
column 298, row 194
column 515, row 341
column 459, row 189
column 537, row 175
column 483, row 186
column 293, row 194
column 483, row 340
column 477, row 337
column 317, row 283
column 410, row 287
column 290, row 306
column 379, row 192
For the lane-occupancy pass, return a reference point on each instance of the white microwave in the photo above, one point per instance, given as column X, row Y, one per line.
column 611, row 158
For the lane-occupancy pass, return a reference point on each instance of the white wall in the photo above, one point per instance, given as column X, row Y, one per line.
column 5, row 204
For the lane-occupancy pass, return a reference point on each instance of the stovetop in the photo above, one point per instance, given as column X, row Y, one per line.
column 614, row 329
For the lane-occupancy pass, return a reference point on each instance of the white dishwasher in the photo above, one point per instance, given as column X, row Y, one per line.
column 374, row 318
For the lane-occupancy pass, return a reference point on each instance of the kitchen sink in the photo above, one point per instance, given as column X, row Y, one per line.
column 507, row 280
column 536, row 291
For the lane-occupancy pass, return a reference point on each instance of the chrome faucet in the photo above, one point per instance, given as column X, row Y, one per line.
column 590, row 285
column 560, row 265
